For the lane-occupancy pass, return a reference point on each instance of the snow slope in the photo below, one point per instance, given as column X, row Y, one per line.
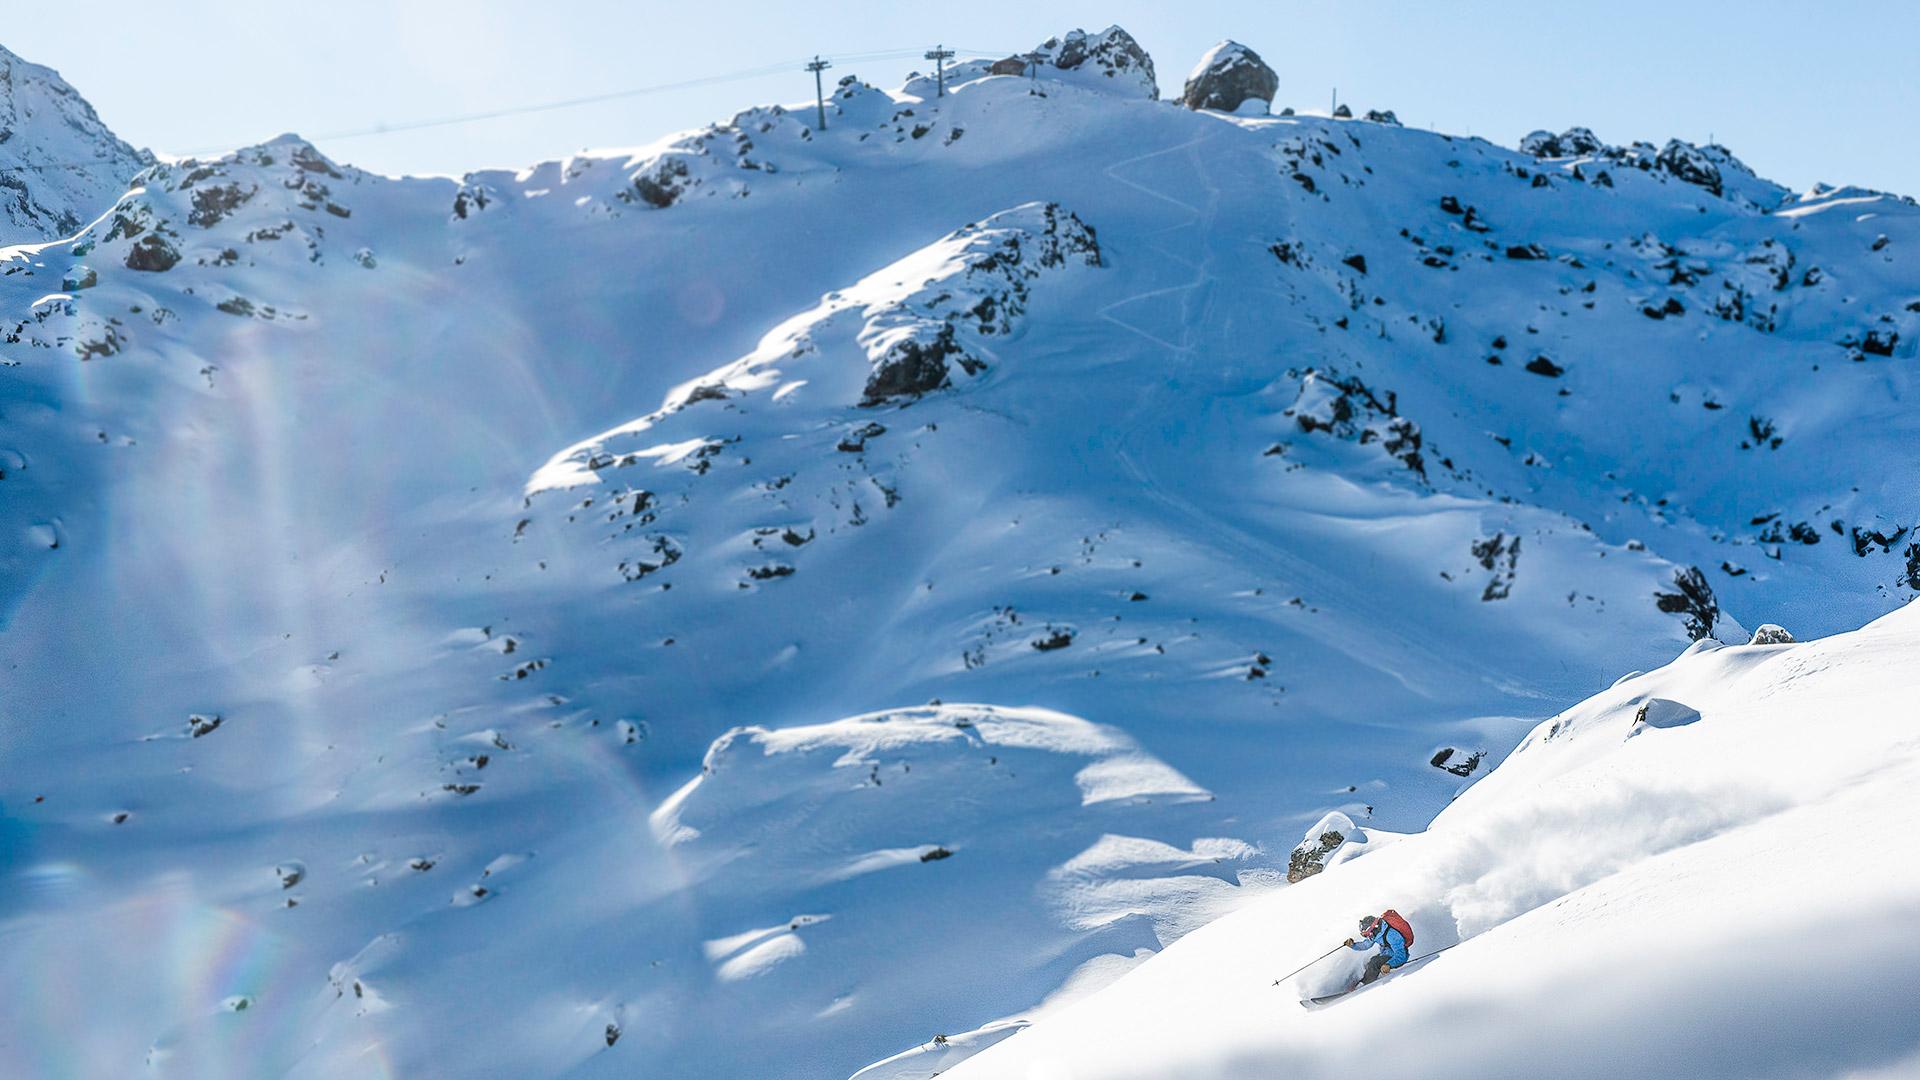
column 521, row 624
column 1718, row 898
column 59, row 165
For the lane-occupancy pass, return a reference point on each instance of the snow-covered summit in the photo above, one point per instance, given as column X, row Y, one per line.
column 59, row 165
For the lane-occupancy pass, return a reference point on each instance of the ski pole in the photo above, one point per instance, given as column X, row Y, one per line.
column 1308, row 964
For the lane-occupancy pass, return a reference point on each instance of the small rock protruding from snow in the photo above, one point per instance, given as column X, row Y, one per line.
column 1457, row 761
column 1228, row 76
column 1326, row 837
column 1771, row 634
column 1664, row 713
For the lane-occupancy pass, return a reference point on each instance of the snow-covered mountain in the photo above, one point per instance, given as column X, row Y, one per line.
column 744, row 605
column 59, row 165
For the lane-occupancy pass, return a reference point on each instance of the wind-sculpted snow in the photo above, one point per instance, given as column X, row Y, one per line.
column 1339, row 455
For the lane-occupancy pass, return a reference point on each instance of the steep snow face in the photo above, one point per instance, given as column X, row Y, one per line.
column 1702, row 883
column 59, row 165
column 1277, row 469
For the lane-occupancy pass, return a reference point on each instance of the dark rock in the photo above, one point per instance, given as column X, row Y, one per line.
column 212, row 204
column 1540, row 365
column 912, row 367
column 1229, row 75
column 1459, row 763
column 1687, row 162
column 1055, row 639
column 1341, row 112
column 199, row 725
column 1311, row 856
column 660, row 182
column 1526, row 251
column 1383, row 116
column 1113, row 52
column 1358, row 262
column 1693, row 600
column 935, row 854
column 1770, row 634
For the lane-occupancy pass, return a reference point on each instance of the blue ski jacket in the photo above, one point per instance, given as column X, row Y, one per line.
column 1392, row 944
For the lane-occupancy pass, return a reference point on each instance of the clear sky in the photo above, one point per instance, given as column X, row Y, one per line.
column 1801, row 91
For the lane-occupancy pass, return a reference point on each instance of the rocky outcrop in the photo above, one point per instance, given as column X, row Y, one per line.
column 1327, row 836
column 914, row 344
column 1112, row 54
column 1771, row 634
column 1692, row 600
column 1348, row 409
column 1227, row 77
column 59, row 165
column 1687, row 162
column 659, row 183
column 1711, row 167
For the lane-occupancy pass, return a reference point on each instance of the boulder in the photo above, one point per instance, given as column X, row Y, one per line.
column 1771, row 634
column 1228, row 76
column 1383, row 116
column 1325, row 838
column 152, row 254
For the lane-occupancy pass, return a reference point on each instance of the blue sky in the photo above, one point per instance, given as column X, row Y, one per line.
column 1803, row 92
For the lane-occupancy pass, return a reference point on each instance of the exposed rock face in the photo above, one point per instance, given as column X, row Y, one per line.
column 1348, row 409
column 1688, row 162
column 659, row 182
column 1326, row 837
column 152, row 253
column 1228, row 76
column 1693, row 600
column 1112, row 54
column 1712, row 167
column 1573, row 142
column 1310, row 857
column 916, row 339
column 1457, row 761
column 1771, row 634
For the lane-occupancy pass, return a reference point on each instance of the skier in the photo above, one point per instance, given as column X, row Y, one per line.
column 1389, row 932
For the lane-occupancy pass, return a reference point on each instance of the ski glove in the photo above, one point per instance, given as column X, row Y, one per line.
column 1349, row 943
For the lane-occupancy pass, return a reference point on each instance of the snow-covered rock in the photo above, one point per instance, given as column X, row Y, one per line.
column 59, row 164
column 1110, row 60
column 1227, row 77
